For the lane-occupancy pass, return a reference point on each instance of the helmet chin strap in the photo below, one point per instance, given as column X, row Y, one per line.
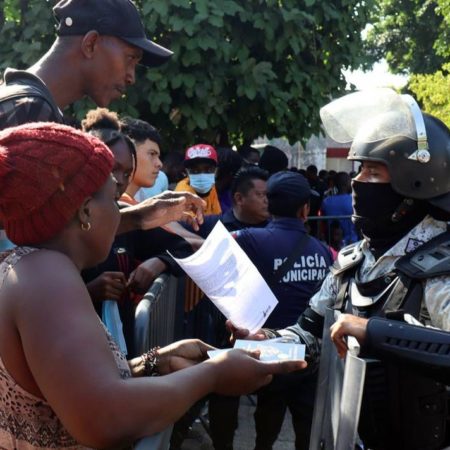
column 422, row 154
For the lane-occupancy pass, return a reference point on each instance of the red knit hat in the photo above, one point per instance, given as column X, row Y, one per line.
column 46, row 171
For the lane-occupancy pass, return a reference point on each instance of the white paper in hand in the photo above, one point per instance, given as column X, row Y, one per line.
column 226, row 275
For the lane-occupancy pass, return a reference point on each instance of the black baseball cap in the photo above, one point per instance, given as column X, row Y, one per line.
column 290, row 184
column 118, row 18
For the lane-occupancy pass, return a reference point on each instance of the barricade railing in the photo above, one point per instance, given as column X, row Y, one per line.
column 155, row 315
column 328, row 217
column 324, row 233
column 155, row 325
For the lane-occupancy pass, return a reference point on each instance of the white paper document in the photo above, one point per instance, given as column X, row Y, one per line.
column 223, row 271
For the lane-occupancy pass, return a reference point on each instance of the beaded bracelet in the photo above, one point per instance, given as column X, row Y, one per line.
column 150, row 361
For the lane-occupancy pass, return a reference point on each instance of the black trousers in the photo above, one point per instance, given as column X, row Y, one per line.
column 295, row 391
column 223, row 420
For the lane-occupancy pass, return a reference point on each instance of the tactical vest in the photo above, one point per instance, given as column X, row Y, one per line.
column 401, row 408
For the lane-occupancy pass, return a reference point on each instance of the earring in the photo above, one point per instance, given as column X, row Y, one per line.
column 86, row 226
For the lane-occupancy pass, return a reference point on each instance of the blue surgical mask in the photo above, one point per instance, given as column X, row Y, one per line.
column 202, row 183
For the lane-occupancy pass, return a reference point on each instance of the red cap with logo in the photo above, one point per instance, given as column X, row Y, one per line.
column 200, row 151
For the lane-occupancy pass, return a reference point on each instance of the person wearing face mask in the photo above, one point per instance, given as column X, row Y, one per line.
column 201, row 162
column 395, row 283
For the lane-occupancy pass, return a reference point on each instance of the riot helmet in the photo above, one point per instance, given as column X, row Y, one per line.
column 387, row 127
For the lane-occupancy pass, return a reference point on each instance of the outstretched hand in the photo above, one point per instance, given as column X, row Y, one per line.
column 192, row 212
column 181, row 354
column 240, row 372
column 347, row 325
column 164, row 208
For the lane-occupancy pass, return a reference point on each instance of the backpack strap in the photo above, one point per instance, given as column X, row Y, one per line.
column 16, row 88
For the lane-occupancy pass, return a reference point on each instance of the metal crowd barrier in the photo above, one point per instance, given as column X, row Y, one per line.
column 319, row 232
column 155, row 325
column 155, row 316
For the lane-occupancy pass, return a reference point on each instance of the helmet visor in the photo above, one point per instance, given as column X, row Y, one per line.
column 368, row 116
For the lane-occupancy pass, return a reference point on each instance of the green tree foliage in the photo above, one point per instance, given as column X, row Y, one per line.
column 432, row 91
column 27, row 31
column 241, row 68
column 413, row 36
column 443, row 41
column 408, row 33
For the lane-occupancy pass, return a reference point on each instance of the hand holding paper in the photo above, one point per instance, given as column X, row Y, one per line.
column 226, row 275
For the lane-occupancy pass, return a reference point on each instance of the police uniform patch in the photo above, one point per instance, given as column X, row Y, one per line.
column 412, row 244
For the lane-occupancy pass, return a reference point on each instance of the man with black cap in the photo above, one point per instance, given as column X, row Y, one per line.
column 398, row 276
column 98, row 46
column 293, row 264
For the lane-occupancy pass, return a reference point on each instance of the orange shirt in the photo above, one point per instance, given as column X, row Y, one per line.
column 212, row 199
column 128, row 199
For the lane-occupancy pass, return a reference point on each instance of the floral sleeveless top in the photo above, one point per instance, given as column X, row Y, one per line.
column 28, row 422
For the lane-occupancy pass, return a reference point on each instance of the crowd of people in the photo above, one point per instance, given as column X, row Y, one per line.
column 91, row 210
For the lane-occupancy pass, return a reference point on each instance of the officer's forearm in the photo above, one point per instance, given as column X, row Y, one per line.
column 425, row 348
column 308, row 331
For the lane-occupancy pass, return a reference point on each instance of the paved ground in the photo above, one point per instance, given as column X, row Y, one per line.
column 245, row 436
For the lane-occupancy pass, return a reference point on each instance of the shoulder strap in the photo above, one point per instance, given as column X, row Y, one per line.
column 18, row 90
column 341, row 302
column 348, row 257
column 281, row 271
column 10, row 91
column 406, row 297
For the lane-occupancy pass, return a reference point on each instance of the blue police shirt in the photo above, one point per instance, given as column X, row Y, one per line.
column 268, row 247
column 341, row 205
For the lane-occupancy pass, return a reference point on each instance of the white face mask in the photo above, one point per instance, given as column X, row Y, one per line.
column 202, row 182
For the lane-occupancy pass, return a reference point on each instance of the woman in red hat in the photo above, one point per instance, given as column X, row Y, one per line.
column 63, row 382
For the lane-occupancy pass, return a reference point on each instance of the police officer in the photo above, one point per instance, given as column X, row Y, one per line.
column 399, row 270
column 293, row 264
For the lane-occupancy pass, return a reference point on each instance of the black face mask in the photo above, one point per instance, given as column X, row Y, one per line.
column 382, row 215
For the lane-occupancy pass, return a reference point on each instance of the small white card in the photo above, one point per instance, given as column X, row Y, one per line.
column 271, row 350
column 212, row 353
